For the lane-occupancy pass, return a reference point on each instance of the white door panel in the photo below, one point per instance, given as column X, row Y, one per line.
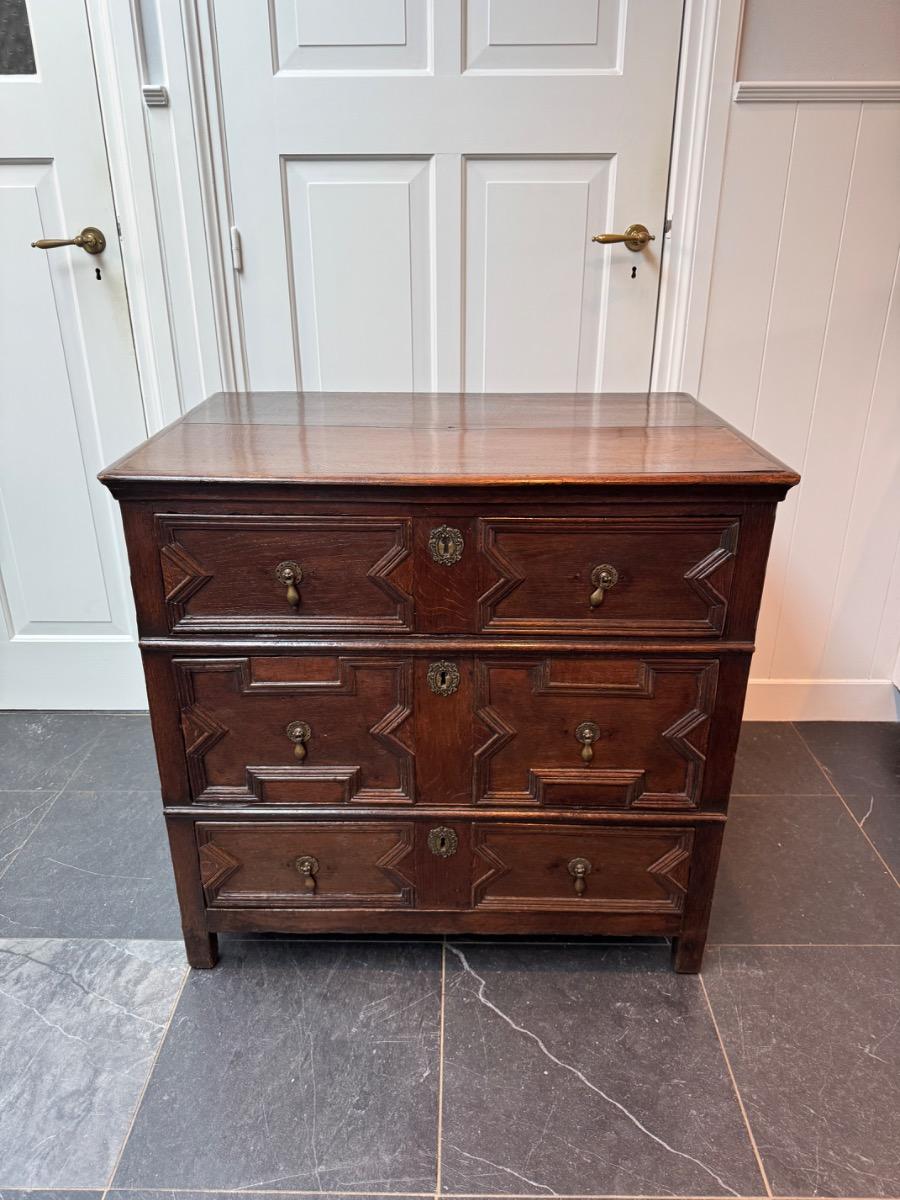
column 416, row 186
column 69, row 398
column 362, row 302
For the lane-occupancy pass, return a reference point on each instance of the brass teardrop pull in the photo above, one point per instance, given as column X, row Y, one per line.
column 299, row 733
column 290, row 574
column 603, row 578
column 579, row 869
column 308, row 866
column 587, row 733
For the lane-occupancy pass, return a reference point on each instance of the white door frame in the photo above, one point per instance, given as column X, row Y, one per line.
column 185, row 303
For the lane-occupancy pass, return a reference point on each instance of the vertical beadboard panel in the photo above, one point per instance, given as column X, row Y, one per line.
column 802, row 351
column 744, row 264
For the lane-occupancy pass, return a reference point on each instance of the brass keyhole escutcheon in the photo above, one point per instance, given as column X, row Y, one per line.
column 445, row 544
column 443, row 677
column 579, row 869
column 443, row 841
column 299, row 733
column 308, row 866
column 289, row 574
column 603, row 578
column 587, row 733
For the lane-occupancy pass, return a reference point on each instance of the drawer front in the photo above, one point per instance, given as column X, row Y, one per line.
column 311, row 729
column 607, row 576
column 573, row 868
column 285, row 574
column 592, row 731
column 308, row 865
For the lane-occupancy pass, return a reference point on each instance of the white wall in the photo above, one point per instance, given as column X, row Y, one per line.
column 820, row 39
column 802, row 351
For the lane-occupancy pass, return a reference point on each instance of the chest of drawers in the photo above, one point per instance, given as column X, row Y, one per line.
column 447, row 664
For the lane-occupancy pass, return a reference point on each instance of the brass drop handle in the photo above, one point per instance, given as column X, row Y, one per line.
column 90, row 239
column 635, row 237
column 587, row 733
column 603, row 578
column 308, row 866
column 579, row 869
column 299, row 733
column 290, row 574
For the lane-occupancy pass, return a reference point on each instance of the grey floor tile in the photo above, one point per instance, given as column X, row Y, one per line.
column 20, row 815
column 860, row 756
column 585, row 1070
column 97, row 866
column 797, row 869
column 122, row 757
column 879, row 815
column 773, row 760
column 297, row 1066
column 80, row 1021
column 813, row 1036
column 42, row 750
column 54, row 1194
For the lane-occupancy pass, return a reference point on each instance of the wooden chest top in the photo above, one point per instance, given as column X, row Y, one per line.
column 385, row 438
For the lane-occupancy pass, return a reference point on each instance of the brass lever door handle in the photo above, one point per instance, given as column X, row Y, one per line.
column 635, row 237
column 90, row 240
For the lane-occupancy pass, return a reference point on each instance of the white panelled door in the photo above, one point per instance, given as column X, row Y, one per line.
column 69, row 398
column 416, row 184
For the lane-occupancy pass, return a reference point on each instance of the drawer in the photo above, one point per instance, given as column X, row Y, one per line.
column 599, row 731
column 613, row 731
column 298, row 729
column 607, row 576
column 637, row 869
column 309, row 865
column 254, row 574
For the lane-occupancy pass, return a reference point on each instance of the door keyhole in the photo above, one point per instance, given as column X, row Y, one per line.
column 442, row 678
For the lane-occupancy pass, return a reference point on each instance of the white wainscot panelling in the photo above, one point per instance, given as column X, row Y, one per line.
column 803, row 352
column 351, row 35
column 533, row 300
column 49, row 557
column 533, row 35
column 361, row 254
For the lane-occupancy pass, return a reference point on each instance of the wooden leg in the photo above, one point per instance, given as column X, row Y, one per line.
column 687, row 954
column 202, row 949
column 689, row 945
column 202, row 946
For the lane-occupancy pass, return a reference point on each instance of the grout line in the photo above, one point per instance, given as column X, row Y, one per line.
column 408, row 1195
column 805, row 945
column 143, row 1092
column 850, row 811
column 440, row 1101
column 738, row 1096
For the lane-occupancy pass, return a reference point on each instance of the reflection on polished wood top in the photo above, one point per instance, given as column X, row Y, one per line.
column 449, row 438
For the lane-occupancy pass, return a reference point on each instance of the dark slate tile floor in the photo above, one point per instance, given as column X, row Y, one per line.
column 423, row 1068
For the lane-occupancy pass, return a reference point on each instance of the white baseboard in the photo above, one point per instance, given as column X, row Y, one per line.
column 822, row 700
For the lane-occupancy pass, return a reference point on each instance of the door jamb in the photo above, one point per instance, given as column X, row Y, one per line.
column 138, row 139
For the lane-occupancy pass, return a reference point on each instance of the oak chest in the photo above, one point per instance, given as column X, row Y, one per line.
column 447, row 663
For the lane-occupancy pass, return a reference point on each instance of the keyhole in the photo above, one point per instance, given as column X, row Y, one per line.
column 634, row 272
column 98, row 272
column 445, row 545
column 443, row 843
column 442, row 682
